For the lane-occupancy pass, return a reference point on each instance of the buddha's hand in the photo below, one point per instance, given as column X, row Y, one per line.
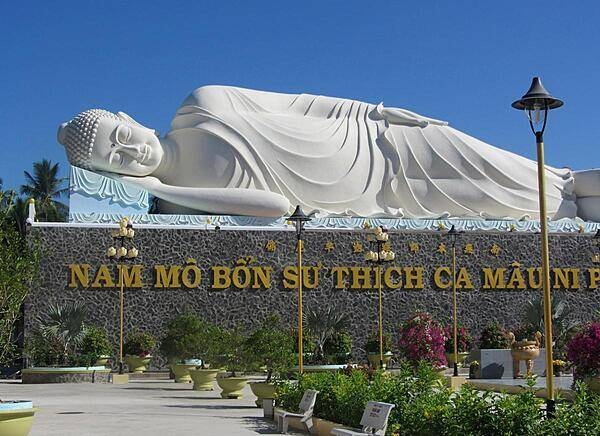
column 149, row 183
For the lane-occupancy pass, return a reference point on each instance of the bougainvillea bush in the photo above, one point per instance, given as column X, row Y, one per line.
column 584, row 351
column 464, row 339
column 422, row 339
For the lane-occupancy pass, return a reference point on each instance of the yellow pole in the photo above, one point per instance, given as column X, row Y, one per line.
column 300, row 356
column 121, row 304
column 545, row 274
column 454, row 314
column 380, row 316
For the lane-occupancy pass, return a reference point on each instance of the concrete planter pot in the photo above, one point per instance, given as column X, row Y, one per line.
column 102, row 361
column 232, row 386
column 319, row 368
column 373, row 358
column 16, row 418
column 77, row 374
column 137, row 364
column 262, row 390
column 204, row 378
column 181, row 371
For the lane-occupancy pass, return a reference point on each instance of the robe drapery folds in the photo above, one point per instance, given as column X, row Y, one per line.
column 343, row 157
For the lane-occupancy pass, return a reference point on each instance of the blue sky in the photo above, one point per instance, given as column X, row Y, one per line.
column 460, row 61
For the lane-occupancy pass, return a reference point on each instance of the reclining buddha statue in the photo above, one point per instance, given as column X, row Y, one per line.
column 235, row 151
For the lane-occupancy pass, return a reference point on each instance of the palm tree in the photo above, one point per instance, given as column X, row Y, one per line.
column 66, row 327
column 46, row 188
column 323, row 323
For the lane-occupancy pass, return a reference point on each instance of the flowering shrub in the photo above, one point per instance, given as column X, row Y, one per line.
column 525, row 332
column 464, row 339
column 494, row 336
column 422, row 339
column 584, row 351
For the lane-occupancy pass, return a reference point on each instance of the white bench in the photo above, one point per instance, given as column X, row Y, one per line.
column 374, row 420
column 307, row 405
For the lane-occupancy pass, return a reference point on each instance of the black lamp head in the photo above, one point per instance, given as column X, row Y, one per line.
column 299, row 218
column 537, row 98
column 453, row 234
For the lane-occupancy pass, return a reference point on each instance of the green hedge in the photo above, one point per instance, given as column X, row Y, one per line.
column 425, row 407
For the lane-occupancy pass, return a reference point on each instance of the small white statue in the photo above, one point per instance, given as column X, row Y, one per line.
column 244, row 152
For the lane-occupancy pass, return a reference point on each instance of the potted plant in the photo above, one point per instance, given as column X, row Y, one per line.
column 232, row 354
column 494, row 351
column 558, row 366
column 183, row 344
column 583, row 351
column 525, row 345
column 96, row 346
column 422, row 339
column 372, row 349
column 138, row 349
column 464, row 343
column 338, row 348
column 207, row 343
column 270, row 349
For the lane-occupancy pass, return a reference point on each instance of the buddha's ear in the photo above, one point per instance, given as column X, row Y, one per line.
column 127, row 118
column 62, row 133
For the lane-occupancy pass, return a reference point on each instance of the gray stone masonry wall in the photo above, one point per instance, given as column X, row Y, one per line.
column 150, row 308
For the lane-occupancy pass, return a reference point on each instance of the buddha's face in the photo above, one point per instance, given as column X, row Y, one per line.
column 124, row 148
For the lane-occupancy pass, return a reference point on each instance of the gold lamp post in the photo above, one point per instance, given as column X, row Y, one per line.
column 378, row 239
column 453, row 235
column 596, row 243
column 119, row 251
column 536, row 103
column 299, row 219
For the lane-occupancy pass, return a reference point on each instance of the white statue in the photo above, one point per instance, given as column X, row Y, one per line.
column 243, row 152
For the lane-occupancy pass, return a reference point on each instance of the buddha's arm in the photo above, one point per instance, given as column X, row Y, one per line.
column 394, row 115
column 226, row 201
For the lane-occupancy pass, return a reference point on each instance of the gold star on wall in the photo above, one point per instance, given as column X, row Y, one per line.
column 271, row 246
column 357, row 247
column 441, row 248
column 495, row 250
column 469, row 249
column 414, row 247
column 329, row 246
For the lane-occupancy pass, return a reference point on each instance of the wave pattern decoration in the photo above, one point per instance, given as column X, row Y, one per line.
column 565, row 225
column 97, row 186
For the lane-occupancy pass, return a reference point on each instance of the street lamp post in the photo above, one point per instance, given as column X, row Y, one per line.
column 453, row 235
column 299, row 219
column 119, row 252
column 536, row 103
column 379, row 238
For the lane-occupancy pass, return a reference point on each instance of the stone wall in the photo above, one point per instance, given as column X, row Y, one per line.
column 150, row 308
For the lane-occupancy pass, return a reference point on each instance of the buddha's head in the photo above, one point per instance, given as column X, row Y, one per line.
column 100, row 140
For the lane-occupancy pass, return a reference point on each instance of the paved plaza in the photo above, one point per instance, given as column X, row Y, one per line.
column 155, row 407
column 140, row 407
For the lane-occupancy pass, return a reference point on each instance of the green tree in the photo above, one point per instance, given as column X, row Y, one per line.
column 18, row 270
column 46, row 188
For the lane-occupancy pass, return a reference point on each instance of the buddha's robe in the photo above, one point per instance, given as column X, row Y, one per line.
column 343, row 157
